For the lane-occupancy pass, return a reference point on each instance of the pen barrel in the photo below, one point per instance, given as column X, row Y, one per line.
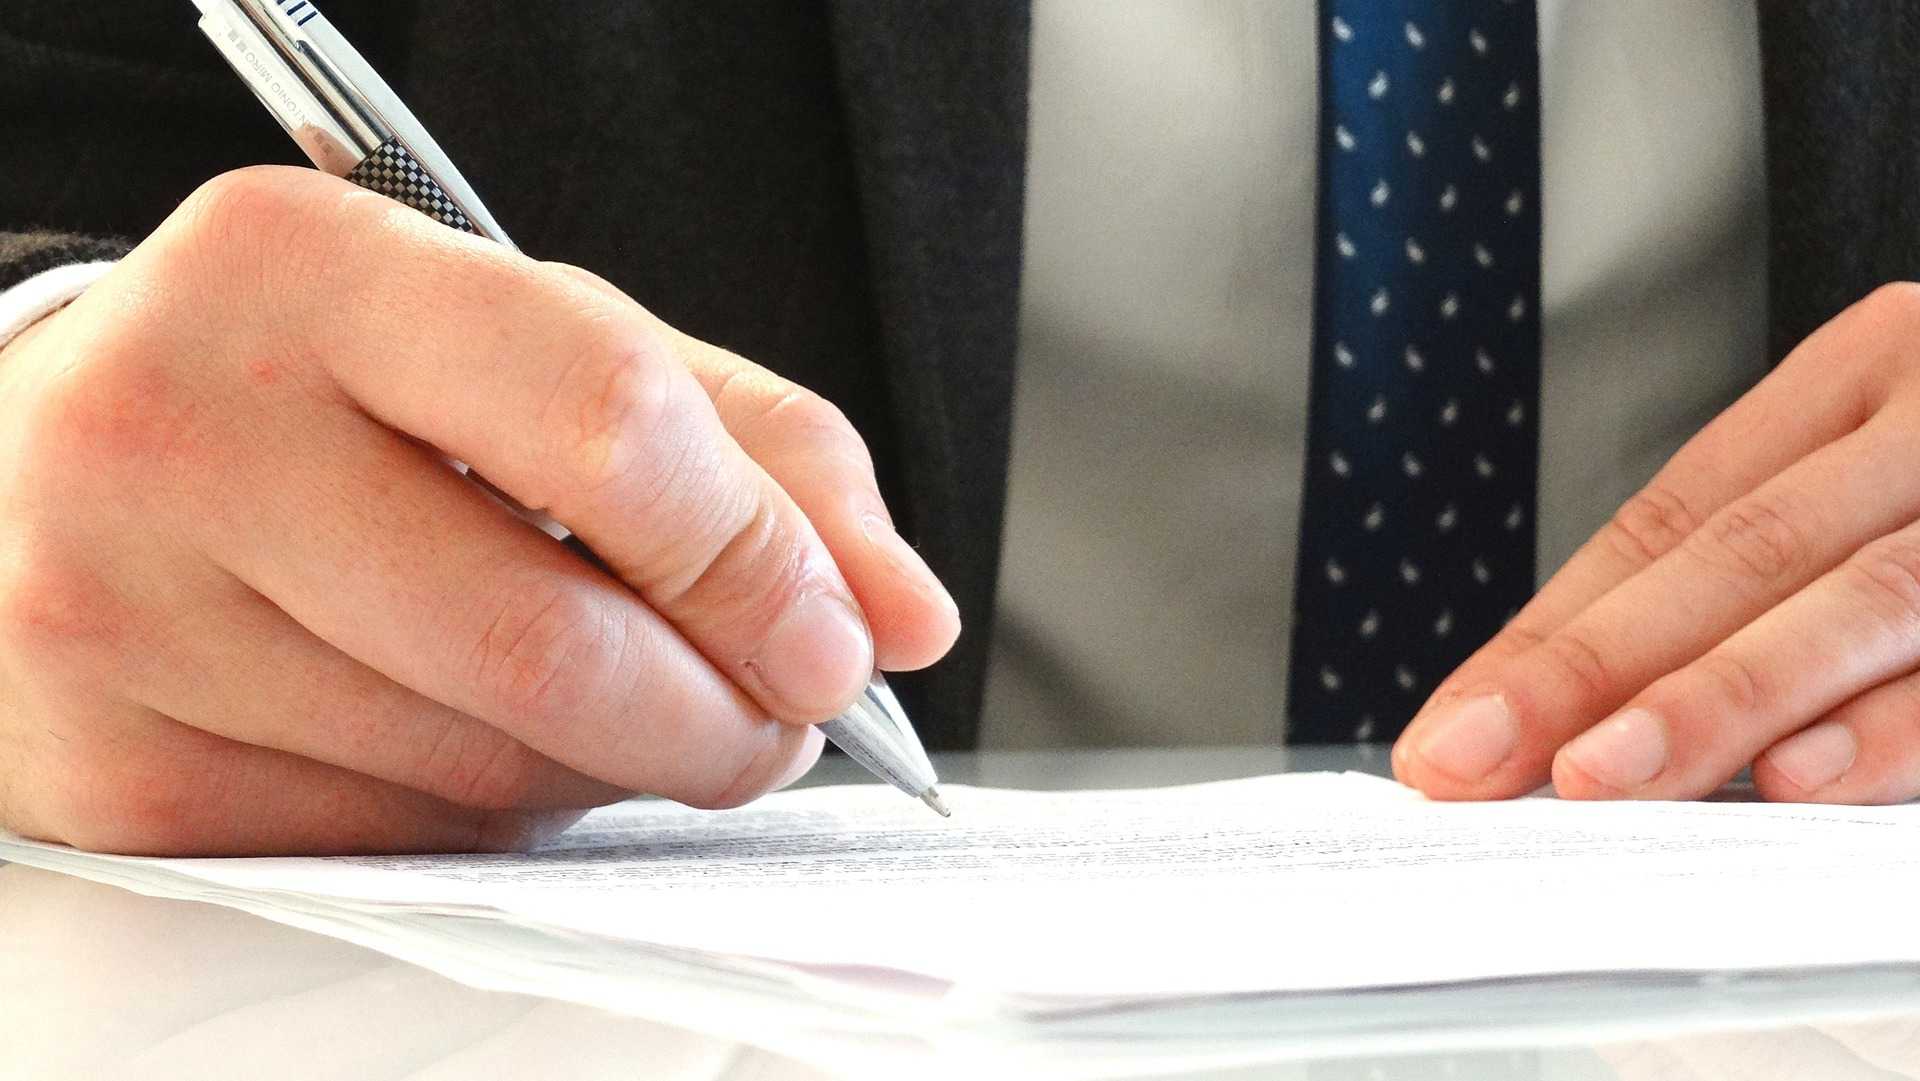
column 394, row 172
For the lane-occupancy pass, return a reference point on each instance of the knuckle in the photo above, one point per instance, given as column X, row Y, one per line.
column 103, row 805
column 56, row 618
column 616, row 415
column 248, row 219
column 804, row 418
column 236, row 204
column 117, row 407
column 754, row 574
column 480, row 767
column 1515, row 638
column 1731, row 683
column 1756, row 540
column 1578, row 662
column 1651, row 524
column 1870, row 337
column 1897, row 301
column 1887, row 574
column 547, row 657
column 1512, row 640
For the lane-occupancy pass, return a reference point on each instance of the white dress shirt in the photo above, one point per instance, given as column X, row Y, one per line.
column 1166, row 318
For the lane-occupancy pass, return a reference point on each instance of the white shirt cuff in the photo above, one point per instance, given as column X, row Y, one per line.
column 43, row 294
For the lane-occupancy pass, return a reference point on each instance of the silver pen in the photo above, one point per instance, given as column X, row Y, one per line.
column 345, row 117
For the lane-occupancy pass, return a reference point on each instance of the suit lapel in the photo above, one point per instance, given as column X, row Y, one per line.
column 1842, row 91
column 936, row 107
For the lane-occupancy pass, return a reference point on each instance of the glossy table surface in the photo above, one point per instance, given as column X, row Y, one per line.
column 98, row 982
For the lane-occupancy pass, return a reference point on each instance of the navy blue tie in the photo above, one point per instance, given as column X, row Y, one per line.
column 1417, row 520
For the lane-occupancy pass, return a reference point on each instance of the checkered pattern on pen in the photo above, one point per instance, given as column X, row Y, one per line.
column 394, row 172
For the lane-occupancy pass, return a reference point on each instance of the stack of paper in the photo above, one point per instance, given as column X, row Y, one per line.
column 854, row 910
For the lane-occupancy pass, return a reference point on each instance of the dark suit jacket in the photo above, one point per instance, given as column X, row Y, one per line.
column 830, row 187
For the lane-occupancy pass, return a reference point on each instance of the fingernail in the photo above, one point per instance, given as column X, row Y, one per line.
column 881, row 534
column 817, row 658
column 1470, row 740
column 1623, row 752
column 1816, row 757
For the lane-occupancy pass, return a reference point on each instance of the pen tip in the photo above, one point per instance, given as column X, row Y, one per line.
column 931, row 797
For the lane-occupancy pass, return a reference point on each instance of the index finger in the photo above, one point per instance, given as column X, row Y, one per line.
column 816, row 455
column 576, row 405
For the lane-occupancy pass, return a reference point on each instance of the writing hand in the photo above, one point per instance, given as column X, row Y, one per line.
column 246, row 607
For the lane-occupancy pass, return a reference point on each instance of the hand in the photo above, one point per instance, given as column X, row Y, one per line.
column 246, row 607
column 1758, row 602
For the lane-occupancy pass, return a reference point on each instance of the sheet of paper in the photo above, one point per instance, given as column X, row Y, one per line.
column 1292, row 883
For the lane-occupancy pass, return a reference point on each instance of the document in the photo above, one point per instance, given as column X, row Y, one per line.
column 859, row 906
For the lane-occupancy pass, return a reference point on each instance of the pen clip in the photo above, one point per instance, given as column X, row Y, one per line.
column 279, row 87
column 336, row 107
column 338, row 74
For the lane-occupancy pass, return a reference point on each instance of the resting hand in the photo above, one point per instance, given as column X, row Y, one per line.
column 245, row 607
column 1757, row 603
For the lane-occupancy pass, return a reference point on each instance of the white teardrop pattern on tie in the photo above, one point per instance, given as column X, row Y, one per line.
column 1417, row 520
